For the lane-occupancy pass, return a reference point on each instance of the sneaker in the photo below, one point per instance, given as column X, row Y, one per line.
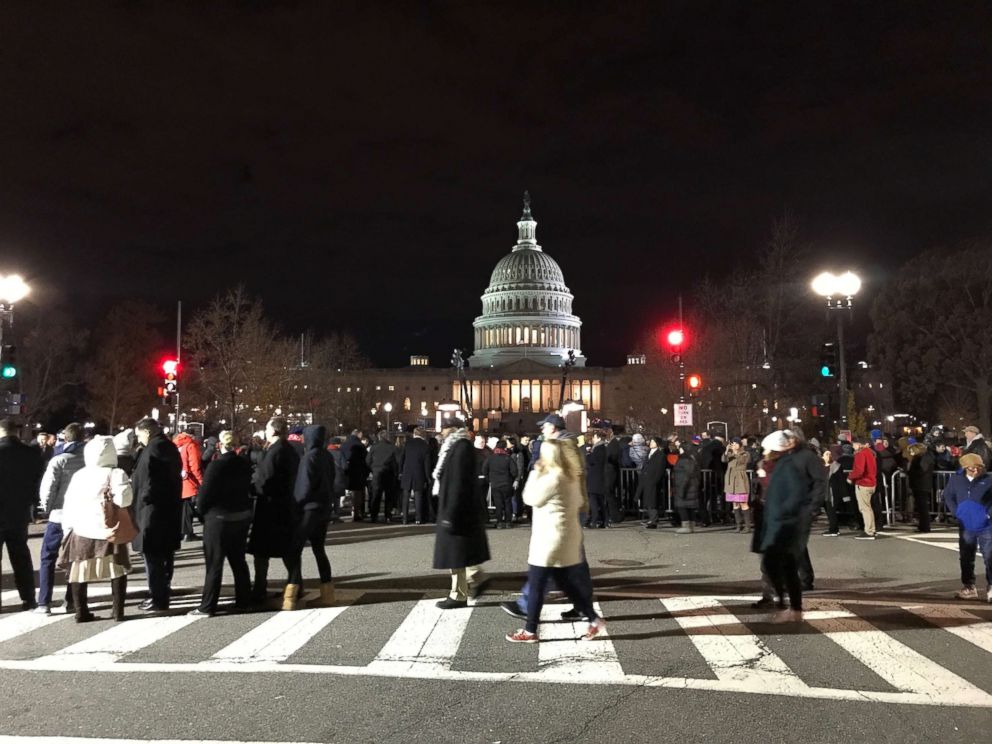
column 513, row 609
column 966, row 592
column 200, row 613
column 595, row 628
column 42, row 610
column 989, row 597
column 572, row 614
column 828, row 533
column 521, row 636
column 864, row 536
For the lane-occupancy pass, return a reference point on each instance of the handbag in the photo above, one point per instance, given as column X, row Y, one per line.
column 117, row 519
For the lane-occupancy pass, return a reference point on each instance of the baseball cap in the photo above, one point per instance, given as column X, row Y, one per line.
column 554, row 419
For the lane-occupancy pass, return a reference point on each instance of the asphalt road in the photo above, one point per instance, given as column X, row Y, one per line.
column 885, row 656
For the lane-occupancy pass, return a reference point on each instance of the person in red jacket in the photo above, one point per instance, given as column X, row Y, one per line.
column 189, row 455
column 864, row 476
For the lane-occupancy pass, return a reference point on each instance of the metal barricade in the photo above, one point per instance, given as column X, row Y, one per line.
column 629, row 478
column 940, row 478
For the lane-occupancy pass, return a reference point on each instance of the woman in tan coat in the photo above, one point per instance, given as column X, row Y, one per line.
column 737, row 485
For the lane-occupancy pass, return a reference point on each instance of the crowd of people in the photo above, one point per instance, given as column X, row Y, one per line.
column 104, row 496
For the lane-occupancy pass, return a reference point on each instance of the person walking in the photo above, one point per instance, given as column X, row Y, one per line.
column 415, row 478
column 685, row 488
column 357, row 472
column 91, row 554
column 814, row 475
column 312, row 496
column 786, row 504
column 158, row 509
column 54, row 484
column 192, row 474
column 383, row 463
column 554, row 492
column 460, row 545
column 737, row 485
column 653, row 481
column 21, row 468
column 596, row 467
column 224, row 504
column 272, row 523
column 499, row 471
column 864, row 476
column 968, row 496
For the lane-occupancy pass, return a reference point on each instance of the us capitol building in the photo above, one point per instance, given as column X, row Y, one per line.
column 514, row 376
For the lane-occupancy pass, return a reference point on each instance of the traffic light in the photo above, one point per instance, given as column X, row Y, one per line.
column 695, row 382
column 674, row 338
column 8, row 362
column 170, row 368
column 819, row 407
column 828, row 360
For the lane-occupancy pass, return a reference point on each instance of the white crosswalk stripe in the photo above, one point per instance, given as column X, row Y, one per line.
column 427, row 643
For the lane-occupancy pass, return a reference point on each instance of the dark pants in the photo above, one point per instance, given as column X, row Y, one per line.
column 260, row 587
column 502, row 497
column 50, row 544
column 573, row 580
column 158, row 571
column 597, row 510
column 383, row 488
column 783, row 570
column 423, row 508
column 922, row 501
column 312, row 527
column 16, row 540
column 686, row 515
column 967, row 542
column 188, row 514
column 614, row 513
column 223, row 539
column 518, row 497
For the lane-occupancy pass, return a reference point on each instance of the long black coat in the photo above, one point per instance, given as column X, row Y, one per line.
column 499, row 470
column 21, row 468
column 685, row 482
column 461, row 520
column 596, row 470
column 273, row 485
column 157, row 483
column 226, row 488
column 356, row 471
column 611, row 473
column 314, row 487
column 651, row 484
column 415, row 465
column 786, row 506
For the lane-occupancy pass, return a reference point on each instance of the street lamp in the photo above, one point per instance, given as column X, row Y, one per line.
column 839, row 292
column 13, row 289
column 388, row 408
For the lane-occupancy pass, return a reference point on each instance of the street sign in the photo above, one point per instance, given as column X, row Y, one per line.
column 683, row 414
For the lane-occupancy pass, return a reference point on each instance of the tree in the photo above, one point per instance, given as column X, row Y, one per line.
column 322, row 365
column 931, row 328
column 123, row 375
column 856, row 422
column 50, row 369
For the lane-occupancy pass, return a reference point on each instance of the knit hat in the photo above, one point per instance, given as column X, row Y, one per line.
column 124, row 442
column 876, row 433
column 637, row 439
column 971, row 460
column 777, row 441
column 226, row 439
column 972, row 429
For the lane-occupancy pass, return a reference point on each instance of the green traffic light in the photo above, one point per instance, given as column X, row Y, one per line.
column 825, row 371
column 9, row 371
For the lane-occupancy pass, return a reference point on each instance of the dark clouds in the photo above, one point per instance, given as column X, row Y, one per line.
column 361, row 167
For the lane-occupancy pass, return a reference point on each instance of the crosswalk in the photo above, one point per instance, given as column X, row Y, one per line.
column 894, row 653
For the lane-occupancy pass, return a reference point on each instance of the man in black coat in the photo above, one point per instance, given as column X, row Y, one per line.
column 814, row 475
column 596, row 469
column 224, row 504
column 976, row 445
column 653, row 481
column 158, row 509
column 415, row 477
column 611, row 476
column 272, row 483
column 356, row 472
column 500, row 472
column 21, row 468
column 382, row 460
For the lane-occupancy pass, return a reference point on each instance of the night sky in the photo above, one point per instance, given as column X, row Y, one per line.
column 362, row 168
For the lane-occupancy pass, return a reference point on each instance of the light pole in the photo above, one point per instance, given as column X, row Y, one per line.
column 12, row 289
column 388, row 408
column 839, row 292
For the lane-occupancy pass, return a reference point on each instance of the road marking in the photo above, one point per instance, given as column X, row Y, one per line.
column 428, row 638
column 738, row 657
column 959, row 622
column 945, row 541
column 279, row 637
column 94, row 590
column 24, row 622
column 897, row 663
column 88, row 740
column 123, row 639
column 562, row 656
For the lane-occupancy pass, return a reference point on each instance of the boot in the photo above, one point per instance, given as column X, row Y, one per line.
column 291, row 597
column 748, row 521
column 79, row 592
column 739, row 519
column 687, row 528
column 118, row 588
column 326, row 598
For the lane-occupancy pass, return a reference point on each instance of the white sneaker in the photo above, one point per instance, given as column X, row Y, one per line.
column 966, row 592
column 42, row 610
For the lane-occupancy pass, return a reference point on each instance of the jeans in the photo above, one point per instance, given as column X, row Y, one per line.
column 574, row 582
column 50, row 545
column 312, row 527
column 967, row 542
column 16, row 539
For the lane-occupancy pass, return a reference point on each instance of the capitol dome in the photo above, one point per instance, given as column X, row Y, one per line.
column 527, row 308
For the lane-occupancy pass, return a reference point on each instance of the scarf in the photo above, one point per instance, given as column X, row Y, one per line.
column 445, row 446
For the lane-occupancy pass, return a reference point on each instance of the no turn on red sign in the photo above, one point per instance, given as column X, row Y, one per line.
column 683, row 414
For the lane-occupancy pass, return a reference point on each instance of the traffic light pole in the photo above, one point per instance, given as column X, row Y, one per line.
column 179, row 352
column 843, row 367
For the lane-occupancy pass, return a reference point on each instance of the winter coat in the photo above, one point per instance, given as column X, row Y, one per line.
column 596, row 468
column 208, row 453
column 21, row 467
column 787, row 503
column 82, row 512
column 158, row 505
column 191, row 459
column 651, row 485
column 415, row 465
column 979, row 447
column 340, row 479
column 814, row 474
column 886, row 461
column 920, row 472
column 638, row 451
column 865, row 470
column 521, row 457
column 710, row 453
column 736, row 480
column 55, row 481
column 611, row 472
column 356, row 470
column 499, row 470
column 685, row 481
column 383, row 457
column 461, row 532
column 226, row 489
column 556, row 534
column 315, row 478
column 273, row 483
column 959, row 489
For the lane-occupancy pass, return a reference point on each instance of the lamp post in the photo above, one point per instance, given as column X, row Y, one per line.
column 839, row 292
column 13, row 289
column 567, row 362
column 388, row 408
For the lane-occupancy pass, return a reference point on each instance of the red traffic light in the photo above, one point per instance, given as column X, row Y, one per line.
column 170, row 366
column 675, row 338
column 695, row 382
